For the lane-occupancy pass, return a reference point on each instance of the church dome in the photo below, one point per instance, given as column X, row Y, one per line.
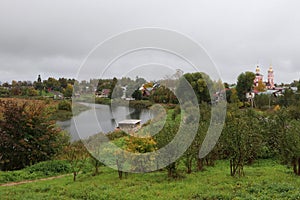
column 257, row 70
column 270, row 69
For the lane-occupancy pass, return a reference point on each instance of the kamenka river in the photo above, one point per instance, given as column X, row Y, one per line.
column 103, row 118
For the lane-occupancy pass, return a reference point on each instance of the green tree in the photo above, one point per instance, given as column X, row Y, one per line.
column 137, row 95
column 244, row 84
column 65, row 105
column 288, row 98
column 241, row 139
column 63, row 82
column 52, row 84
column 4, row 92
column 77, row 155
column 290, row 145
column 32, row 92
column 163, row 138
column 192, row 152
column 199, row 82
column 287, row 138
column 234, row 97
column 262, row 101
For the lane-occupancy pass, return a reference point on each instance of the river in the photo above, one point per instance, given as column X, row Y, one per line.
column 101, row 118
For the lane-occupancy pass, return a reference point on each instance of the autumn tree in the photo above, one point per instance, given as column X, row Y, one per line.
column 261, row 86
column 163, row 95
column 27, row 135
column 68, row 92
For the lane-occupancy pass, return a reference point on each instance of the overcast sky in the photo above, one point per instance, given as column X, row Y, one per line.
column 53, row 37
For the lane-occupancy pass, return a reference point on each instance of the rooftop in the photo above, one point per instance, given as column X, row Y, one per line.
column 130, row 121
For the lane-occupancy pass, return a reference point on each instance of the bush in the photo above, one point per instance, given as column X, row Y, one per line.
column 116, row 134
column 4, row 92
column 140, row 104
column 37, row 171
column 105, row 101
column 50, row 167
column 65, row 105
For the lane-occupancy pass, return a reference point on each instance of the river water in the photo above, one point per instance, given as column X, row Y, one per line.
column 101, row 118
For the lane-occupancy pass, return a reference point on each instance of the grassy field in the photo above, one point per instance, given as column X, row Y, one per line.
column 266, row 179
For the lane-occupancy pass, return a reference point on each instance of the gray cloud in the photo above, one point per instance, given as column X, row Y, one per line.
column 53, row 37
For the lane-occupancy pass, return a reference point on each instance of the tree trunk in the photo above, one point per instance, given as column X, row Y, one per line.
column 299, row 166
column 231, row 168
column 74, row 176
column 294, row 163
column 120, row 174
column 199, row 164
column 97, row 164
column 172, row 170
column 189, row 164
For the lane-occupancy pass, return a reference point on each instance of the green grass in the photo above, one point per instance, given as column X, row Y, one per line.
column 264, row 180
column 37, row 171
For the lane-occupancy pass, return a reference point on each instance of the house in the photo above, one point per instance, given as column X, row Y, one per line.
column 147, row 88
column 104, row 93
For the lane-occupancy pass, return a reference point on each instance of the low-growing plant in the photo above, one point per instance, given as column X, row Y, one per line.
column 65, row 105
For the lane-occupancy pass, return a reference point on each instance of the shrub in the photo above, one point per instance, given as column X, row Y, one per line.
column 65, row 105
column 50, row 167
column 39, row 170
column 116, row 134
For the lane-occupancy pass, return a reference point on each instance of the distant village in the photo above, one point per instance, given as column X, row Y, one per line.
column 128, row 89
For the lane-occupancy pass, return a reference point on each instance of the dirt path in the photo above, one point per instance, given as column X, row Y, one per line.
column 32, row 181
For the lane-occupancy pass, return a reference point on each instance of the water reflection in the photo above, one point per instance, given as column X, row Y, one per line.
column 101, row 118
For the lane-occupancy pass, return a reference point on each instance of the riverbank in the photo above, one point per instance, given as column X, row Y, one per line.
column 64, row 115
column 137, row 104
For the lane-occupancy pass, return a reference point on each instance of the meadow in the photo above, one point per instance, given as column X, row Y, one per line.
column 265, row 179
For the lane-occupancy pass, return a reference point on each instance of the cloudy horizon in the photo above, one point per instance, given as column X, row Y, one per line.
column 52, row 38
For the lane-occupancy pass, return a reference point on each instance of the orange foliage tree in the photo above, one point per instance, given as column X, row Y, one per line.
column 27, row 135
